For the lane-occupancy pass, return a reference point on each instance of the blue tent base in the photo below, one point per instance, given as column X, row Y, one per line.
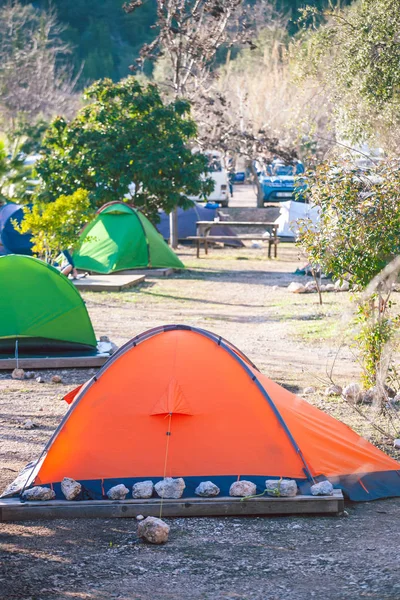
column 56, row 360
column 14, row 510
column 358, row 488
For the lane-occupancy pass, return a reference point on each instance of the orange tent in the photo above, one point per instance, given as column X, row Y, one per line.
column 182, row 402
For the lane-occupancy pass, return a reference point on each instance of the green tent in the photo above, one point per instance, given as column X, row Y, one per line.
column 41, row 309
column 120, row 237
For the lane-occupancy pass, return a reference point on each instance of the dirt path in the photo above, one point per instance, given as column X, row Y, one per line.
column 292, row 340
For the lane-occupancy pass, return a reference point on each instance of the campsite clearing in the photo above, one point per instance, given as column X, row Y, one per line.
column 293, row 341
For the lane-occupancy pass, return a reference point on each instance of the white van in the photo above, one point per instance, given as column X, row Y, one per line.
column 217, row 172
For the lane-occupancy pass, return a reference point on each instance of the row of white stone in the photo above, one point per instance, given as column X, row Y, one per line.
column 170, row 488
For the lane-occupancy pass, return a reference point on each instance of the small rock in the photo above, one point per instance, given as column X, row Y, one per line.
column 275, row 288
column 329, row 287
column 352, row 392
column 18, row 374
column 322, row 288
column 153, row 530
column 207, row 489
column 296, row 288
column 56, row 379
column 345, row 286
column 311, row 286
column 323, row 488
column 243, row 488
column 104, row 338
column 139, row 518
column 28, row 424
column 396, row 399
column 170, row 488
column 39, row 379
column 118, row 492
column 285, row 488
column 309, row 390
column 371, row 395
column 29, row 375
column 39, row 493
column 143, row 489
column 70, row 488
column 333, row 390
column 396, row 444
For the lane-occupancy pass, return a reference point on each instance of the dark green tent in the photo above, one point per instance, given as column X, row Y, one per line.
column 40, row 308
column 120, row 237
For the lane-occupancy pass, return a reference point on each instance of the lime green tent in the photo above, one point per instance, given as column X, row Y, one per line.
column 120, row 237
column 41, row 309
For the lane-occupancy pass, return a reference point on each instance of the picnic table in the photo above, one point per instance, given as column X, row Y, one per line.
column 204, row 229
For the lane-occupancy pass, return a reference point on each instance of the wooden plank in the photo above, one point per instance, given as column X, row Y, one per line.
column 13, row 510
column 54, row 362
column 150, row 272
column 108, row 283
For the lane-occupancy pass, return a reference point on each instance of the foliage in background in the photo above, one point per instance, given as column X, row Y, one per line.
column 56, row 226
column 16, row 182
column 125, row 135
column 106, row 40
column 355, row 56
column 35, row 80
column 357, row 236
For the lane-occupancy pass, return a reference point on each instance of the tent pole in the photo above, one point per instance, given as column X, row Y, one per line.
column 173, row 228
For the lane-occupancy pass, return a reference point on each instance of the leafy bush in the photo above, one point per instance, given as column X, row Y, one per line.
column 357, row 236
column 56, row 226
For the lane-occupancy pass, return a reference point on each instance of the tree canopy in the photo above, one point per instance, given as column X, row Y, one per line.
column 125, row 135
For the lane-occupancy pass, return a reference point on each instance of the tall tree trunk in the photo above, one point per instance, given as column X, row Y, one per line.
column 260, row 193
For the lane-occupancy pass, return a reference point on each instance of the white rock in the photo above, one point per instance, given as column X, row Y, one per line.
column 296, row 288
column 286, row 488
column 70, row 488
column 396, row 399
column 118, row 492
column 143, row 489
column 39, row 493
column 329, row 287
column 396, row 444
column 323, row 488
column 18, row 374
column 207, row 489
column 39, row 380
column 139, row 518
column 322, row 288
column 243, row 488
column 352, row 392
column 333, row 390
column 28, row 424
column 153, row 530
column 275, row 288
column 170, row 488
column 29, row 375
column 309, row 390
column 345, row 286
column 311, row 286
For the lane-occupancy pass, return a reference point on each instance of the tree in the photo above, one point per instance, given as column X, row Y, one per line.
column 34, row 79
column 56, row 226
column 126, row 136
column 357, row 236
column 355, row 55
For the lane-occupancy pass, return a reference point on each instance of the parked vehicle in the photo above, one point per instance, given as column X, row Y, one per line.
column 218, row 172
column 281, row 182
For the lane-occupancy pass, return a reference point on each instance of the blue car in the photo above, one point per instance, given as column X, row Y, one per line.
column 281, row 182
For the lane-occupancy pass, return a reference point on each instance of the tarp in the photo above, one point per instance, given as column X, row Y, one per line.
column 187, row 220
column 40, row 308
column 12, row 242
column 121, row 237
column 292, row 211
column 224, row 419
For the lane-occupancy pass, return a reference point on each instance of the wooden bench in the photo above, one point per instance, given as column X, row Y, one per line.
column 205, row 239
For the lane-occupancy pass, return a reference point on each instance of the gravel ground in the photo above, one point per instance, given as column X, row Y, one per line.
column 292, row 340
